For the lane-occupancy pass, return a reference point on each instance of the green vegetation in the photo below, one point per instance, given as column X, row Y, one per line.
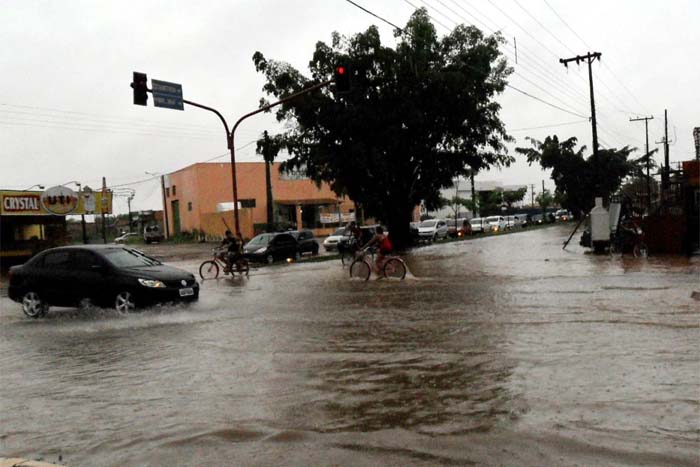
column 417, row 116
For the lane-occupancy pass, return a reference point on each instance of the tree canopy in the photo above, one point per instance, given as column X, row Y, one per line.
column 417, row 115
column 579, row 179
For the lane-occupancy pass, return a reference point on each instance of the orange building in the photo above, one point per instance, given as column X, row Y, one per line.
column 199, row 198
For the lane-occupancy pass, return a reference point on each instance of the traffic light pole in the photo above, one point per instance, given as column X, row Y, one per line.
column 230, row 136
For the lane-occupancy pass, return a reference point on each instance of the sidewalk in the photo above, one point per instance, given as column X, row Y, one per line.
column 17, row 462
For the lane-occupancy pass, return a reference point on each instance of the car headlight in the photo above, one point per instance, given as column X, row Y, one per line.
column 151, row 283
column 261, row 250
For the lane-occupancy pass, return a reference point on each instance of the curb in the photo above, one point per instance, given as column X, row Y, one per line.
column 18, row 462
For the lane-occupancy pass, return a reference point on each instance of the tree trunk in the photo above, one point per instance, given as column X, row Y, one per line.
column 398, row 224
column 268, row 183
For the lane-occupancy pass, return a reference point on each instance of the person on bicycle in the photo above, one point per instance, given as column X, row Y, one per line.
column 233, row 250
column 355, row 239
column 384, row 248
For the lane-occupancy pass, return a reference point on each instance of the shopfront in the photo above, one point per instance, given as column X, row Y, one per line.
column 31, row 221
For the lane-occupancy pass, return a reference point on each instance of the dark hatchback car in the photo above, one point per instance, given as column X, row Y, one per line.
column 271, row 247
column 306, row 241
column 106, row 275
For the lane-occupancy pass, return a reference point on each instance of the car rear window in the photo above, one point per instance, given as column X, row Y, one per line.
column 56, row 259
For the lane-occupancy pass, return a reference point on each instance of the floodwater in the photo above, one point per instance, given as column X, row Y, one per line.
column 498, row 351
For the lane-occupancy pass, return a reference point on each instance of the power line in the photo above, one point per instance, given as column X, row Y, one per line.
column 553, row 125
column 473, row 68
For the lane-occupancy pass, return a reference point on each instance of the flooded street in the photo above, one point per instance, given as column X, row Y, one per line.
column 497, row 351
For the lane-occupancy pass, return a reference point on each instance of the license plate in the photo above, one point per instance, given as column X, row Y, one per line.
column 186, row 292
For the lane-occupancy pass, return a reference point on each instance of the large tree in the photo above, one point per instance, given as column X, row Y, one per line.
column 579, row 179
column 417, row 116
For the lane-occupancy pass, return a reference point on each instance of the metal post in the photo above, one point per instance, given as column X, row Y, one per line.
column 165, row 207
column 128, row 202
column 646, row 128
column 103, row 209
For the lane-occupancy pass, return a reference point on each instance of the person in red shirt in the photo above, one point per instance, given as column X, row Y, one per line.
column 384, row 248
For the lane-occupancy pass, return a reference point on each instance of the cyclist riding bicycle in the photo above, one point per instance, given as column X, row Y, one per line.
column 233, row 253
column 384, row 248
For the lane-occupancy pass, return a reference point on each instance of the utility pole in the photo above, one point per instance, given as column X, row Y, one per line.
column 104, row 209
column 696, row 137
column 646, row 129
column 474, row 200
column 532, row 195
column 128, row 202
column 544, row 211
column 589, row 58
column 268, row 157
column 666, row 168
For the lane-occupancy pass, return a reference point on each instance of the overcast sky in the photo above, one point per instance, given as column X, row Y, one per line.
column 66, row 109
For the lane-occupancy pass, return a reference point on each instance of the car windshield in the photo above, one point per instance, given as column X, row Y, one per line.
column 428, row 224
column 127, row 258
column 261, row 240
column 492, row 219
column 340, row 231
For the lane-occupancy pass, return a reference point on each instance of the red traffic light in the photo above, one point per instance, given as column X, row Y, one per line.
column 340, row 70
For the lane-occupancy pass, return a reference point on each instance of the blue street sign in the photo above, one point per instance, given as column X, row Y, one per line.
column 168, row 95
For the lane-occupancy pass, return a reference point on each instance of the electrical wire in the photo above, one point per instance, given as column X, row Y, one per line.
column 553, row 125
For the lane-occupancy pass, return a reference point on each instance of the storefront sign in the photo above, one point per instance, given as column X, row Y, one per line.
column 48, row 203
column 335, row 218
column 21, row 203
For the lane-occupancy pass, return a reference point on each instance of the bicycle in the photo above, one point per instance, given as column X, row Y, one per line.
column 209, row 269
column 361, row 268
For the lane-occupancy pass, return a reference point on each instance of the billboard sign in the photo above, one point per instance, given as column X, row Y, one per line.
column 167, row 95
column 59, row 200
column 50, row 203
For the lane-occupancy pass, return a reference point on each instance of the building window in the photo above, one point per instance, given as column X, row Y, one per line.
column 167, row 192
column 174, row 191
column 189, row 205
column 247, row 203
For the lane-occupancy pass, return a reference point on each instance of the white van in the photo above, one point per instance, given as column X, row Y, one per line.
column 478, row 225
column 496, row 223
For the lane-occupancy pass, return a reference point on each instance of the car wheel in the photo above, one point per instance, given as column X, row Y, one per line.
column 124, row 302
column 315, row 250
column 270, row 259
column 33, row 306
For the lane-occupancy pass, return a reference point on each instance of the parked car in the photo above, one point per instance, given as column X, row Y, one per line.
column 271, row 247
column 152, row 233
column 562, row 215
column 124, row 238
column 432, row 229
column 454, row 226
column 496, row 223
column 105, row 275
column 511, row 222
column 521, row 220
column 306, row 241
column 331, row 242
column 479, row 225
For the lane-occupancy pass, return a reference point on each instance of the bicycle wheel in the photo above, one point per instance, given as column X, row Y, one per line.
column 640, row 250
column 394, row 268
column 360, row 269
column 244, row 267
column 209, row 270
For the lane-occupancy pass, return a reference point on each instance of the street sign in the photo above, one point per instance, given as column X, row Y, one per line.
column 167, row 95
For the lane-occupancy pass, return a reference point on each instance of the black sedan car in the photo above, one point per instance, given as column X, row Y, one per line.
column 306, row 241
column 271, row 247
column 106, row 275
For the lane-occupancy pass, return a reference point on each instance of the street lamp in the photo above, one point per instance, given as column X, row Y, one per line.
column 82, row 214
column 41, row 187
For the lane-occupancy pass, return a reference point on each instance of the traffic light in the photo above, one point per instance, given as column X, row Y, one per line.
column 140, row 86
column 341, row 77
